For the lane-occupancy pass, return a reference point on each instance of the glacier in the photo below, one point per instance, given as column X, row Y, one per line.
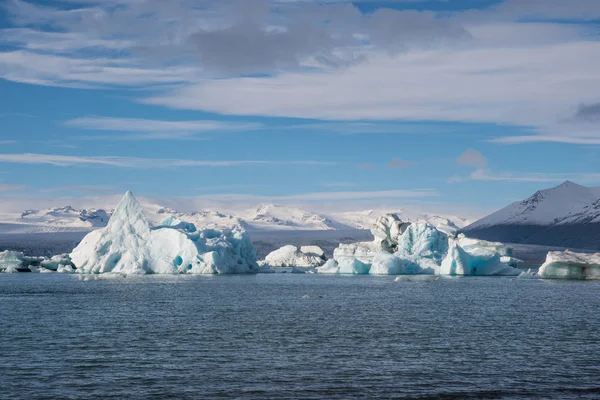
column 129, row 245
column 570, row 265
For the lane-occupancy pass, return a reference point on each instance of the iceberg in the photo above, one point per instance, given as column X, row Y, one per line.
column 420, row 249
column 130, row 245
column 15, row 261
column 477, row 257
column 570, row 265
column 392, row 264
column 387, row 230
column 11, row 261
column 290, row 256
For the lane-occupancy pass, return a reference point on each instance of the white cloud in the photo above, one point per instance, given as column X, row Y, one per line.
column 535, row 87
column 323, row 61
column 137, row 162
column 472, row 158
column 158, row 129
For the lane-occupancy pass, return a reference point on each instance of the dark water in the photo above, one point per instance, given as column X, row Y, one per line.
column 298, row 336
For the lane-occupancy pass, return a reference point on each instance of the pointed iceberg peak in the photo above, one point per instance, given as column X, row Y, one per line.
column 129, row 212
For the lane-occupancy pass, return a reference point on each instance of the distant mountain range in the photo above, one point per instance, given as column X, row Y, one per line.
column 265, row 217
column 567, row 216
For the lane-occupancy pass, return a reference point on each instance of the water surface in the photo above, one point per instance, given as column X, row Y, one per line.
column 297, row 336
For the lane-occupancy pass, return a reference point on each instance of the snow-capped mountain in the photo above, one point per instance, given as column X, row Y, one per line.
column 272, row 216
column 265, row 217
column 66, row 217
column 365, row 219
column 566, row 215
column 545, row 207
column 208, row 219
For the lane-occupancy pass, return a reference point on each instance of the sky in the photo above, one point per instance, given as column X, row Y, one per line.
column 459, row 106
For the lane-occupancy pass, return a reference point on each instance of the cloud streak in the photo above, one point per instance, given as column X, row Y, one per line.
column 137, row 162
column 9, row 188
column 486, row 175
column 330, row 196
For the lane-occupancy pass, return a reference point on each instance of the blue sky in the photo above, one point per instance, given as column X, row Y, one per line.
column 453, row 105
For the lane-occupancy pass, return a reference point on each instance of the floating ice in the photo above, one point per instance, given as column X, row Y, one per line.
column 570, row 265
column 11, row 261
column 393, row 264
column 476, row 258
column 290, row 256
column 387, row 230
column 129, row 245
column 330, row 267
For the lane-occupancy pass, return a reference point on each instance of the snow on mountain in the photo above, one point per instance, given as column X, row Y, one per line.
column 63, row 219
column 208, row 219
column 566, row 202
column 263, row 217
column 366, row 219
column 272, row 216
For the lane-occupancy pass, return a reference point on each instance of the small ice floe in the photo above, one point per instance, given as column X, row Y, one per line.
column 417, row 278
column 529, row 274
column 311, row 297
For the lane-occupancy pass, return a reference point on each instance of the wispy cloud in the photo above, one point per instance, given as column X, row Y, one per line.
column 398, row 163
column 367, row 166
column 487, row 175
column 331, row 196
column 158, row 129
column 8, row 141
column 324, row 60
column 84, row 189
column 9, row 188
column 137, row 162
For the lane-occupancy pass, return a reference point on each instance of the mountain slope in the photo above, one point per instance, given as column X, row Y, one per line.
column 272, row 216
column 567, row 215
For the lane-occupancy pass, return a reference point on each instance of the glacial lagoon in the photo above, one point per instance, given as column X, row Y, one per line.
column 273, row 336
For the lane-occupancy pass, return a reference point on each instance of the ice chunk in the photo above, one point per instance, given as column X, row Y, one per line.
column 386, row 231
column 290, row 256
column 363, row 251
column 482, row 261
column 570, row 265
column 11, row 261
column 423, row 241
column 330, row 267
column 313, row 251
column 55, row 262
column 353, row 267
column 392, row 264
column 468, row 243
column 129, row 245
column 349, row 266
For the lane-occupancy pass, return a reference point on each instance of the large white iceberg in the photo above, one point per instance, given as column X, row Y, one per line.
column 570, row 265
column 291, row 256
column 129, row 245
